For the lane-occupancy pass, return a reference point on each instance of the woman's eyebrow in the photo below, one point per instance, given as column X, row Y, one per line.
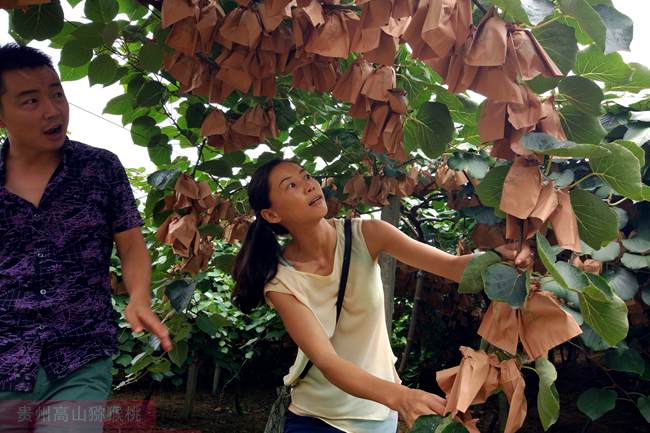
column 302, row 170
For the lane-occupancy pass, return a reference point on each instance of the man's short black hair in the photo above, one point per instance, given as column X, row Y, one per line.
column 14, row 56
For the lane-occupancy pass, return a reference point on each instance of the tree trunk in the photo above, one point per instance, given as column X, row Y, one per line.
column 216, row 378
column 190, row 390
column 414, row 314
column 387, row 263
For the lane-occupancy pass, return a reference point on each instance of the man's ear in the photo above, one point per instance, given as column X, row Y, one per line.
column 270, row 216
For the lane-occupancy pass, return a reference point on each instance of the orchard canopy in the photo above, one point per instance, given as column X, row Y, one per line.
column 522, row 113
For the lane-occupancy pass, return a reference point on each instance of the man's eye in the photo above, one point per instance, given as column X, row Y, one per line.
column 59, row 95
column 30, row 101
column 292, row 185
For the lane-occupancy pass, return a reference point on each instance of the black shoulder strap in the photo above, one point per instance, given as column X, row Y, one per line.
column 347, row 228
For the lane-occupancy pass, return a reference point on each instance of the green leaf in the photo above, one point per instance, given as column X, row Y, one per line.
column 150, row 57
column 504, row 283
column 537, row 10
column 178, row 354
column 38, row 22
column 635, row 261
column 71, row 74
column 210, row 324
column 637, row 134
column 626, row 360
column 143, row 129
column 547, row 256
column 150, row 94
column 592, row 340
column 597, row 222
column 620, row 170
column 159, row 149
column 582, row 93
column 559, row 41
column 562, row 178
column 573, row 277
column 581, row 127
column 640, row 116
column 490, row 189
column 89, row 34
column 587, row 18
column 216, row 167
column 119, row 105
column 160, row 366
column 124, row 360
column 471, row 281
column 609, row 252
column 431, row 130
column 548, row 399
column 475, row 164
column 596, row 402
column 639, row 243
column 635, row 148
column 637, row 81
column 607, row 315
column 225, row 262
column 643, row 403
column 140, row 362
column 426, row 424
column 75, row 54
column 110, row 33
column 162, row 179
column 514, row 9
column 102, row 70
column 180, row 293
column 593, row 64
column 101, row 11
column 548, row 145
column 620, row 28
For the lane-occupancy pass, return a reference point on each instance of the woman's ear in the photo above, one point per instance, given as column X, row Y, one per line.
column 270, row 216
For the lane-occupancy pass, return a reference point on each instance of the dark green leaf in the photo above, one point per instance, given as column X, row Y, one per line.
column 490, row 189
column 102, row 70
column 471, row 280
column 548, row 145
column 216, row 167
column 592, row 340
column 537, row 10
column 596, row 402
column 597, row 222
column 143, row 130
column 160, row 150
column 75, row 54
column 514, row 9
column 38, row 22
column 582, row 93
column 593, row 64
column 150, row 57
column 581, row 127
column 627, row 360
column 90, row 34
column 620, row 170
column 72, row 74
column 635, row 261
column 620, row 28
column 607, row 315
column 587, row 18
column 474, row 164
column 101, row 11
column 119, row 105
column 224, row 262
column 643, row 403
column 180, row 293
column 504, row 283
column 162, row 179
column 431, row 130
column 559, row 41
column 609, row 252
column 178, row 354
column 150, row 94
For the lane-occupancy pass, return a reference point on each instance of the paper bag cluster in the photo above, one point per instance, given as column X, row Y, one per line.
column 253, row 127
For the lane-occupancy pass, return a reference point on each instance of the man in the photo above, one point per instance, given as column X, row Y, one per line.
column 62, row 205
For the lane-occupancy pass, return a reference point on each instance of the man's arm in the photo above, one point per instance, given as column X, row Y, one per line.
column 136, row 271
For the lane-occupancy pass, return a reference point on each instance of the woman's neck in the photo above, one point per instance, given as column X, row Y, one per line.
column 312, row 242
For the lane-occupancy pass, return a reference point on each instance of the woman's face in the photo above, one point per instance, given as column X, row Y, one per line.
column 295, row 196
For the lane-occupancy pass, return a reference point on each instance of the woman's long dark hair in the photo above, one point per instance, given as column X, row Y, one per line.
column 257, row 262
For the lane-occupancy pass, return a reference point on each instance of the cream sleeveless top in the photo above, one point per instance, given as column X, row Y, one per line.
column 360, row 337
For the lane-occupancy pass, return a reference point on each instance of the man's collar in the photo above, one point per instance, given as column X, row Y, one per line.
column 66, row 156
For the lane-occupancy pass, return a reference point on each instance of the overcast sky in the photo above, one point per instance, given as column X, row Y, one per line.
column 104, row 130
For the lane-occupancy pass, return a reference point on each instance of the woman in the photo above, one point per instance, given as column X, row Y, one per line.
column 353, row 386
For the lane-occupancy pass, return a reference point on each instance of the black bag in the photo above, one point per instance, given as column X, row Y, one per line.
column 277, row 416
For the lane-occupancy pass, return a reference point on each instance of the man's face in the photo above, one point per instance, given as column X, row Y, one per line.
column 34, row 109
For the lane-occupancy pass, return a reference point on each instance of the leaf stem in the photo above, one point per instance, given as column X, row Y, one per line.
column 579, row 181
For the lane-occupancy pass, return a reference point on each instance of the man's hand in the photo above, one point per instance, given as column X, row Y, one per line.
column 140, row 317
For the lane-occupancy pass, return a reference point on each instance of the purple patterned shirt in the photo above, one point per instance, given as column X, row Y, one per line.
column 55, row 294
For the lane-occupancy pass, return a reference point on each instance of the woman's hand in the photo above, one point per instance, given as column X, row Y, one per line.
column 413, row 403
column 522, row 258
